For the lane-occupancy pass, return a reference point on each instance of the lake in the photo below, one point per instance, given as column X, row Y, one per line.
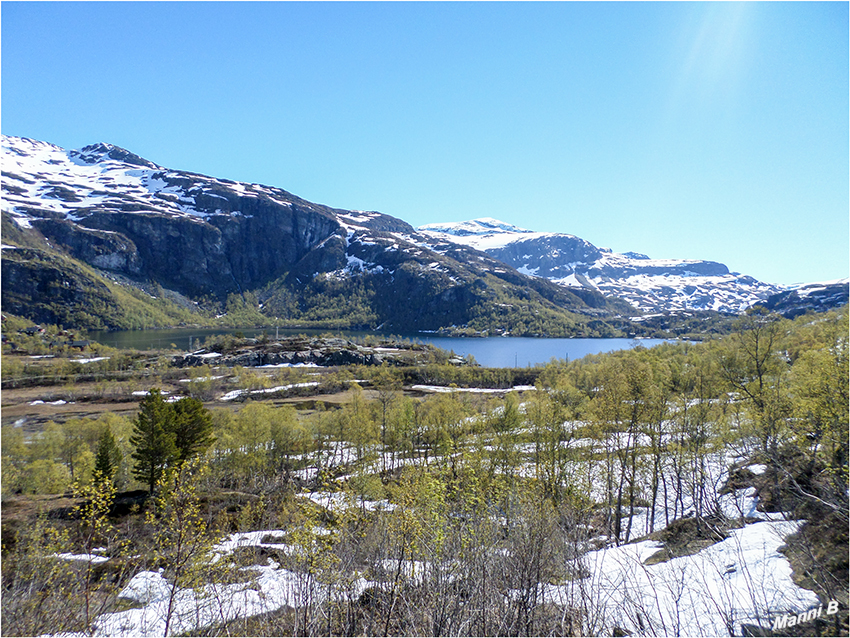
column 492, row 352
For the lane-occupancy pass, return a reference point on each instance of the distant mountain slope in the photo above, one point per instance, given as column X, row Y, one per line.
column 652, row 285
column 104, row 219
column 813, row 297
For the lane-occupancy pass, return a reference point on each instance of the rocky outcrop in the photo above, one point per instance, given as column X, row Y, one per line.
column 51, row 290
column 108, row 250
column 317, row 351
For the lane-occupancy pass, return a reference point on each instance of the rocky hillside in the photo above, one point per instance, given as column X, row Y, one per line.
column 651, row 285
column 814, row 297
column 101, row 237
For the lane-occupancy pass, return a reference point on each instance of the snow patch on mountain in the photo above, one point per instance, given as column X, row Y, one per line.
column 804, row 290
column 41, row 180
column 484, row 234
column 650, row 285
column 811, row 297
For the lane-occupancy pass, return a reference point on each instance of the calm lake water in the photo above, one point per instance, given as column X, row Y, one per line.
column 493, row 352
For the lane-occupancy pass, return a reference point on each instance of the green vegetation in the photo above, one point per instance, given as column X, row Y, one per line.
column 50, row 286
column 166, row 435
column 446, row 501
column 53, row 288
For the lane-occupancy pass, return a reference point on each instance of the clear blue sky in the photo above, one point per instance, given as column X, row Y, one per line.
column 680, row 130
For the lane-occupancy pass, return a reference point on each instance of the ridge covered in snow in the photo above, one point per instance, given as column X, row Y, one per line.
column 650, row 285
column 41, row 180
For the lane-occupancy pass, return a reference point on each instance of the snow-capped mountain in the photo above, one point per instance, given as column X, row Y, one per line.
column 202, row 239
column 651, row 285
column 816, row 297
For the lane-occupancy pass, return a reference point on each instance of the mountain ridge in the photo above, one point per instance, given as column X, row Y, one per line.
column 651, row 285
column 208, row 239
column 124, row 230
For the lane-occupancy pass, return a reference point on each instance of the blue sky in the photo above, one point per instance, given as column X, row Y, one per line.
column 680, row 130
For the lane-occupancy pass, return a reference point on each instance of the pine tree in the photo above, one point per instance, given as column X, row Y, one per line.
column 192, row 428
column 108, row 457
column 153, row 438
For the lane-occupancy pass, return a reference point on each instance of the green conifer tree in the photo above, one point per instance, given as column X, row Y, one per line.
column 153, row 438
column 108, row 456
column 192, row 428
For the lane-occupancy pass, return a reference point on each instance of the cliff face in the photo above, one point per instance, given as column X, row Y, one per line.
column 109, row 250
column 213, row 256
column 140, row 224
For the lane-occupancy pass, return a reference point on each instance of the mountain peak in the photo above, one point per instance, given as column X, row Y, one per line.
column 94, row 153
column 480, row 226
column 209, row 241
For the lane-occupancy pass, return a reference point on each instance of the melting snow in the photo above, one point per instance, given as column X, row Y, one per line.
column 743, row 579
column 90, row 558
column 442, row 389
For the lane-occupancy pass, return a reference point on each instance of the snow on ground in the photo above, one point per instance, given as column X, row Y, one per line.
column 145, row 587
column 742, row 504
column 201, row 379
column 441, row 388
column 89, row 558
column 271, row 589
column 206, row 355
column 248, row 539
column 188, row 610
column 743, row 579
column 338, row 502
column 235, row 394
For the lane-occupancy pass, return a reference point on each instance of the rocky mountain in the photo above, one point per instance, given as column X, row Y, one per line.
column 813, row 297
column 100, row 237
column 651, row 285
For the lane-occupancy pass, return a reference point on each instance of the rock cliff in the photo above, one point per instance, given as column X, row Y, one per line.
column 133, row 222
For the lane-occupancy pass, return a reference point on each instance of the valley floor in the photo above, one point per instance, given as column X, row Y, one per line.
column 635, row 493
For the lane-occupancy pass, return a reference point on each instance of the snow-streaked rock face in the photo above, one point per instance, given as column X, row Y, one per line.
column 652, row 285
column 191, row 233
column 41, row 180
column 203, row 238
column 817, row 297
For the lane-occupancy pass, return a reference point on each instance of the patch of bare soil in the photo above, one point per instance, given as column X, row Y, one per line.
column 20, row 511
column 33, row 418
column 687, row 536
